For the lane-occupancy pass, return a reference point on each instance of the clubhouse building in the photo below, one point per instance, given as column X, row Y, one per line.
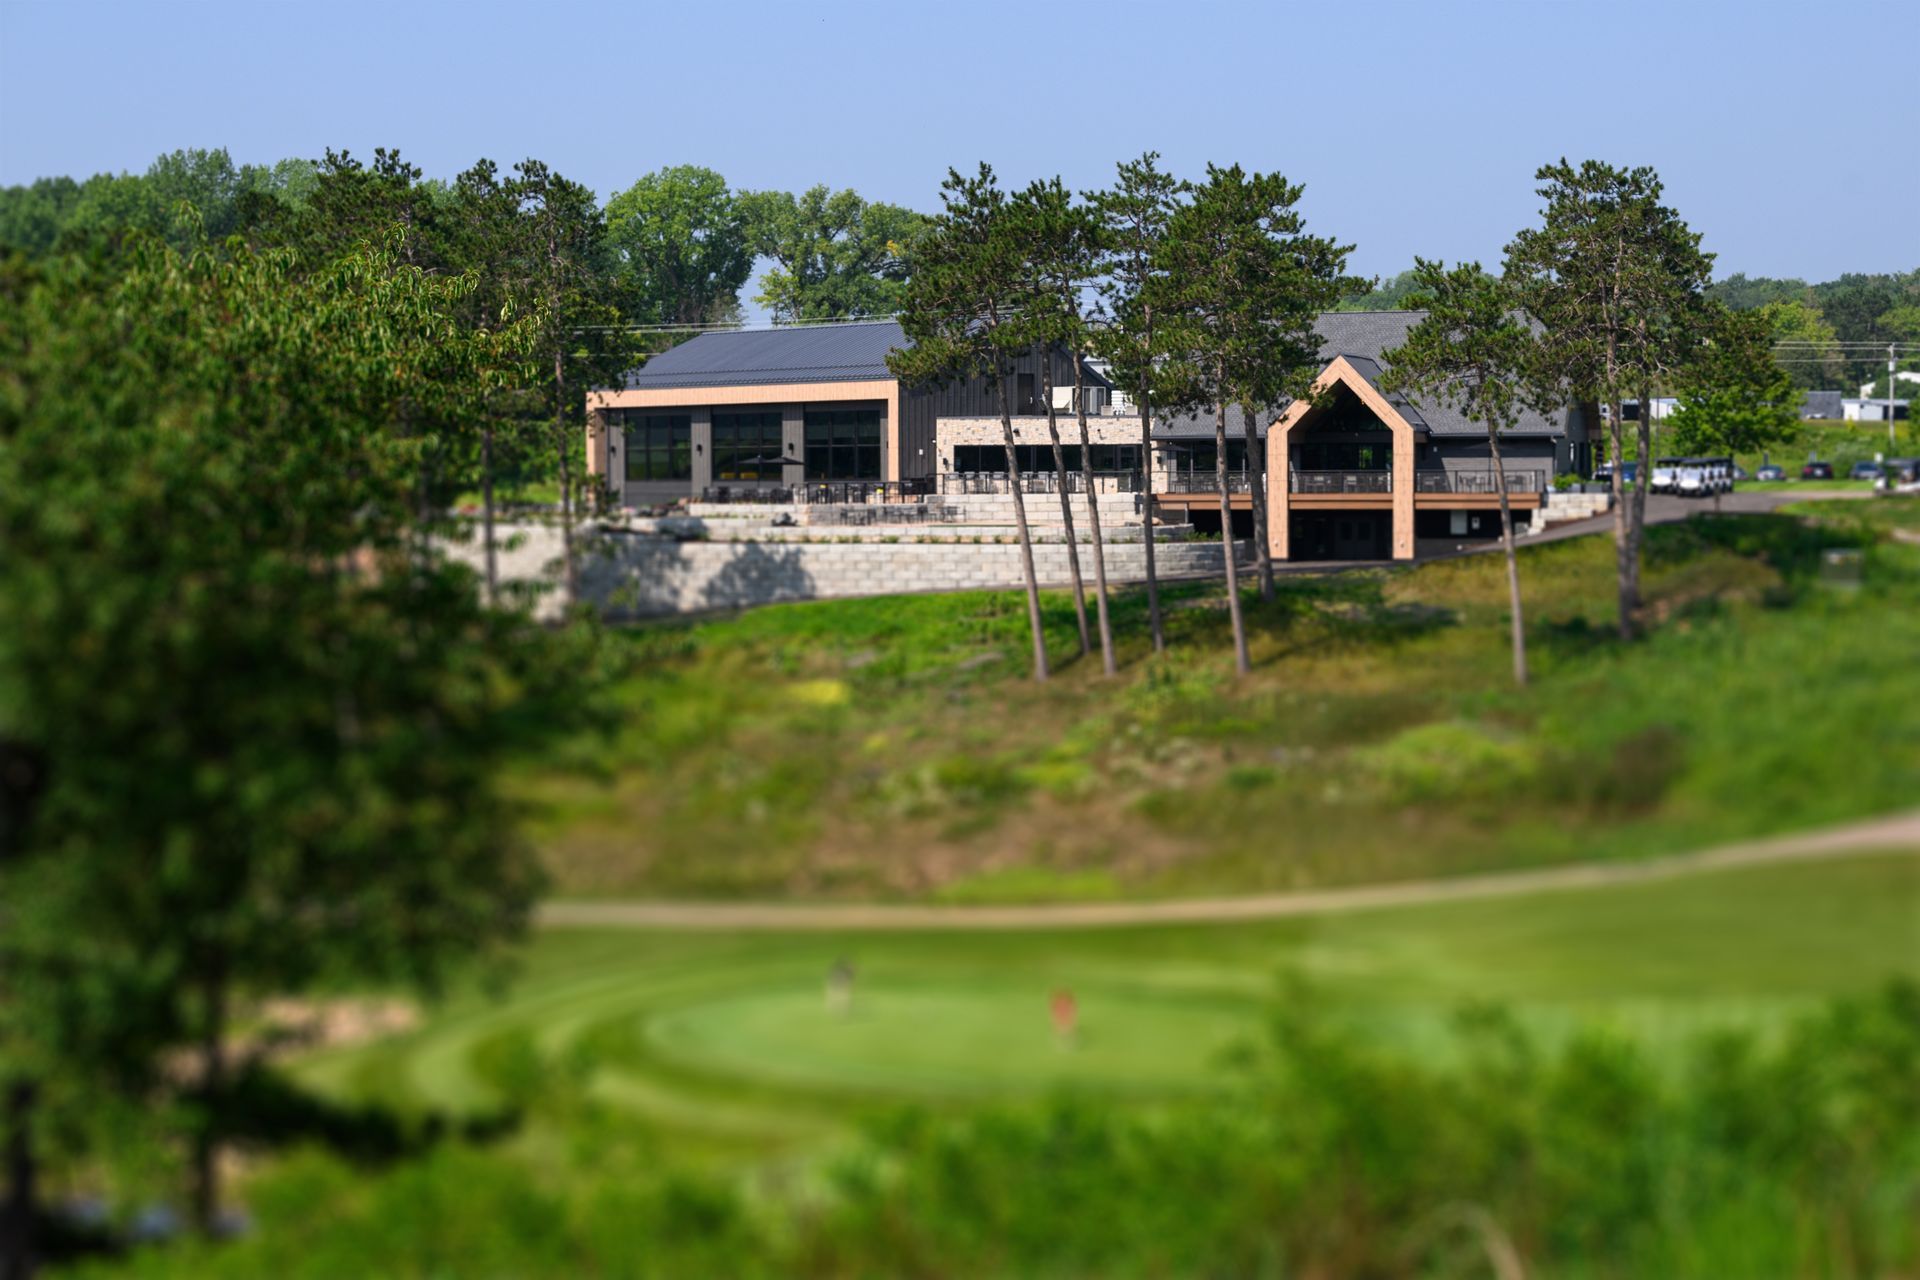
column 812, row 414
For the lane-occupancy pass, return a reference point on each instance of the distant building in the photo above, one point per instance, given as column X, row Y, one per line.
column 1860, row 410
column 1824, row 405
column 1903, row 375
column 1630, row 409
column 814, row 411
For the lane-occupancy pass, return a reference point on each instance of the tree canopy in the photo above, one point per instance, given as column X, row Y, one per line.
column 266, row 726
column 679, row 239
column 836, row 256
column 1734, row 398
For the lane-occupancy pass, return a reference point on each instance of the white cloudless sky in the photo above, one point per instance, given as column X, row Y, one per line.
column 1416, row 127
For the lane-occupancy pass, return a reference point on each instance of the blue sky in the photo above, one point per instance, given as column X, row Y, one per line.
column 1415, row 127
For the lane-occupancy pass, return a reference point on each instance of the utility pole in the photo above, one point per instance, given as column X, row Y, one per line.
column 1891, row 445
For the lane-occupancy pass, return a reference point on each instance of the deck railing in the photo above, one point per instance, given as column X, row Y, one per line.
column 814, row 492
column 1375, row 481
column 1479, row 481
column 1198, row 481
column 963, row 482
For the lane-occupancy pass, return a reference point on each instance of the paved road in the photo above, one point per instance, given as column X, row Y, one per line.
column 1900, row 832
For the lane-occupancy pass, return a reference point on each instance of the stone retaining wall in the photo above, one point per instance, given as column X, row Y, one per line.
column 629, row 576
column 1563, row 507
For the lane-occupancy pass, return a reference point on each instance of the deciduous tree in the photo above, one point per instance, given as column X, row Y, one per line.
column 679, row 238
column 268, row 731
column 835, row 255
column 1734, row 397
column 1806, row 345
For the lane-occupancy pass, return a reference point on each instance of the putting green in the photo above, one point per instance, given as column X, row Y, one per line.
column 954, row 1039
column 723, row 1043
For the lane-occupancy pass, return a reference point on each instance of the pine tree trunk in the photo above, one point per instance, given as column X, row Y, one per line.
column 1637, row 516
column 1026, row 540
column 1257, row 488
column 1240, row 661
column 17, row 1214
column 1093, row 520
column 1622, row 535
column 1513, row 560
column 571, row 569
column 486, row 508
column 205, row 1169
column 1146, row 506
column 1063, row 482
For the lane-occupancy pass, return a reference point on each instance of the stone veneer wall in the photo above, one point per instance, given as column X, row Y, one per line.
column 1101, row 429
column 630, row 576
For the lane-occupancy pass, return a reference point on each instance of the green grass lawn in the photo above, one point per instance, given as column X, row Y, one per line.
column 894, row 748
column 1841, row 443
column 726, row 1047
column 1802, row 486
column 1869, row 518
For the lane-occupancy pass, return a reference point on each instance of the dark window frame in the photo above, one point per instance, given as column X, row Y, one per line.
column 991, row 459
column 748, row 446
column 845, row 443
column 658, row 447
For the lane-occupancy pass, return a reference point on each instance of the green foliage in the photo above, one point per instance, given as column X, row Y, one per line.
column 1734, row 398
column 1613, row 276
column 1240, row 288
column 51, row 213
column 268, row 720
column 965, row 293
column 1321, row 1154
column 836, row 256
column 1473, row 351
column 1864, row 308
column 1134, row 215
column 682, row 243
column 1397, row 293
column 1804, row 344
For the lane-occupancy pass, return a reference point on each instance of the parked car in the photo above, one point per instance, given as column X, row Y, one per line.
column 1740, row 472
column 1817, row 471
column 1771, row 472
column 1603, row 474
column 1864, row 471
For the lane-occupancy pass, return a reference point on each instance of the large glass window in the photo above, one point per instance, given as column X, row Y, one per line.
column 1200, row 457
column 843, row 444
column 746, row 446
column 659, row 445
column 1343, row 455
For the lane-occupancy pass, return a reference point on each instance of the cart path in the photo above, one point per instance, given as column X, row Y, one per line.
column 1896, row 833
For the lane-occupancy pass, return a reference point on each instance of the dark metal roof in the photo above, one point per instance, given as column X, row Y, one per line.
column 1364, row 337
column 852, row 352
column 1821, row 404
